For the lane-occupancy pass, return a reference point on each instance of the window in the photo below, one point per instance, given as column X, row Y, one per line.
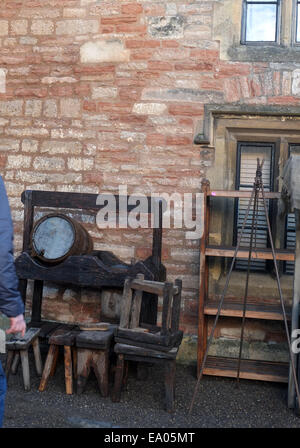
column 261, row 20
column 297, row 17
column 247, row 154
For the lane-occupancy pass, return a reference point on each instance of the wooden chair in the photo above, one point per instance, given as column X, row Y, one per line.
column 146, row 343
column 62, row 336
column 18, row 348
column 93, row 352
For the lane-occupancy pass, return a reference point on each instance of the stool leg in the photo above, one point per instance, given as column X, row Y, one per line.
column 37, row 356
column 74, row 355
column 52, row 353
column 54, row 362
column 68, row 370
column 101, row 366
column 15, row 363
column 116, row 394
column 83, row 368
column 170, row 367
column 25, row 368
column 9, row 360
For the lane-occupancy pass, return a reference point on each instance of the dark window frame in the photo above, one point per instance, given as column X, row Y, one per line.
column 276, row 42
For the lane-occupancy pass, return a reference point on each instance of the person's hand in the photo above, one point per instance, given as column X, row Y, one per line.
column 17, row 325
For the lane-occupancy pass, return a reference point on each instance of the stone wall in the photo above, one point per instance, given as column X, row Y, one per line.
column 100, row 93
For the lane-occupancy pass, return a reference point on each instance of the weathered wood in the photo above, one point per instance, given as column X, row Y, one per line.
column 153, row 287
column 176, row 307
column 48, row 366
column 143, row 352
column 170, row 368
column 150, row 346
column 37, row 356
column 98, row 340
column 28, row 218
column 9, row 360
column 241, row 194
column 68, row 370
column 158, row 339
column 136, row 306
column 166, row 311
column 64, row 336
column 126, row 304
column 116, row 393
column 25, row 369
column 37, row 300
column 261, row 254
column 15, row 363
column 98, row 360
column 22, row 343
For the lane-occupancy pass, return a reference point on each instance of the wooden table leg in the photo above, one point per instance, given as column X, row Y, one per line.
column 9, row 360
column 15, row 363
column 116, row 394
column 83, row 368
column 170, row 368
column 68, row 370
column 25, row 369
column 101, row 366
column 52, row 354
column 37, row 356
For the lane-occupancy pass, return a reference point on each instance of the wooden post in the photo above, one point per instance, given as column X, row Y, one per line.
column 203, row 289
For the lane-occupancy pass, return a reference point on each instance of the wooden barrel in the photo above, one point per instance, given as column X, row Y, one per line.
column 56, row 236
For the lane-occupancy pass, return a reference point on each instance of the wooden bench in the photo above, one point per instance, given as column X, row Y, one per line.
column 98, row 270
column 17, row 347
column 146, row 343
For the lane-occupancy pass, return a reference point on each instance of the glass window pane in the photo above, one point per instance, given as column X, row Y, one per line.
column 298, row 23
column 261, row 23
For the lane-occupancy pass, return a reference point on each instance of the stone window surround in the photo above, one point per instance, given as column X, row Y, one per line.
column 227, row 28
column 227, row 127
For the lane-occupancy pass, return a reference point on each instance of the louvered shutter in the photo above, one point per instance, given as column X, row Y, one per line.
column 247, row 165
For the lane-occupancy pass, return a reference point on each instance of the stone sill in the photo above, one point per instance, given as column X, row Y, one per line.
column 264, row 53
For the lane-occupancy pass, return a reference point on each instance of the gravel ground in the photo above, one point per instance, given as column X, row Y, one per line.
column 219, row 403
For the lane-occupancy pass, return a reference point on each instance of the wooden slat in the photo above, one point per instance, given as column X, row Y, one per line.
column 254, row 310
column 241, row 194
column 250, row 369
column 262, row 254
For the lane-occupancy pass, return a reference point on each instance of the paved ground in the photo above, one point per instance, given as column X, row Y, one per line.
column 219, row 404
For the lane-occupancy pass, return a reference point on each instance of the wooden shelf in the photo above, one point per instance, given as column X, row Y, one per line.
column 261, row 254
column 241, row 194
column 252, row 370
column 256, row 309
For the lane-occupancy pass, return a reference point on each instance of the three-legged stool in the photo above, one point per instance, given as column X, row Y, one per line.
column 18, row 348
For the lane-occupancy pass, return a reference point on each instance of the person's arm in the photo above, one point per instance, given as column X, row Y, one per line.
column 11, row 303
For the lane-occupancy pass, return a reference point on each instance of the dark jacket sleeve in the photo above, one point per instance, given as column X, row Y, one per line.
column 11, row 303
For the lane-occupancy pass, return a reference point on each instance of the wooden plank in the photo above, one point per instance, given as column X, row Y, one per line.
column 254, row 311
column 203, row 287
column 250, row 369
column 136, row 306
column 176, row 307
column 241, row 194
column 60, row 199
column 151, row 286
column 166, row 310
column 261, row 254
column 22, row 343
column 37, row 299
column 126, row 304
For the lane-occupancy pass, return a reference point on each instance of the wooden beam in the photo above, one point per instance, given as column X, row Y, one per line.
column 261, row 254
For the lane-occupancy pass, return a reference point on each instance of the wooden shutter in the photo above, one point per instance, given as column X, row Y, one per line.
column 246, row 170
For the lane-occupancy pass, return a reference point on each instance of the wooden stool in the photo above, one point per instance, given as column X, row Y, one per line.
column 61, row 337
column 93, row 349
column 18, row 348
column 146, row 343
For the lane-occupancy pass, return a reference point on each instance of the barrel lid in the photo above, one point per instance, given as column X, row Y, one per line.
column 53, row 237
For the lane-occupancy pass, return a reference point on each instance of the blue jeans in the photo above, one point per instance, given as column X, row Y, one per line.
column 2, row 393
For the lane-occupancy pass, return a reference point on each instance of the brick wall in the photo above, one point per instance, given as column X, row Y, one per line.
column 104, row 93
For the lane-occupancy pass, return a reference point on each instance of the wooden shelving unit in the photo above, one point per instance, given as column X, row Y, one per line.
column 257, row 308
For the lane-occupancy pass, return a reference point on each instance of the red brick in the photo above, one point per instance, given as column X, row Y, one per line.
column 170, row 44
column 186, row 109
column 160, row 65
column 140, row 43
column 197, row 66
column 90, row 106
column 178, row 140
column 39, row 92
column 155, row 139
column 118, row 20
column 132, row 8
column 285, row 100
column 58, row 90
column 130, row 28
